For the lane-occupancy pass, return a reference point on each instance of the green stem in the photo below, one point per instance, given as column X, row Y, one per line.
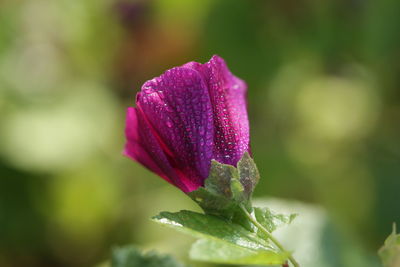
column 269, row 235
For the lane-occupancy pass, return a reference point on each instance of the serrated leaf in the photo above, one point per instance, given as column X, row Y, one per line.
column 224, row 253
column 272, row 220
column 225, row 234
column 209, row 226
column 390, row 251
column 130, row 256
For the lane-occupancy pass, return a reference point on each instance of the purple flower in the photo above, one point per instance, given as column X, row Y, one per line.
column 185, row 118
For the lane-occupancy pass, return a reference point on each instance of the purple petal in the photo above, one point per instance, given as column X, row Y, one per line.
column 228, row 98
column 177, row 105
column 143, row 147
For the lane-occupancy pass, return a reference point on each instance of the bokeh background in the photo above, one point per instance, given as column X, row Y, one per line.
column 324, row 105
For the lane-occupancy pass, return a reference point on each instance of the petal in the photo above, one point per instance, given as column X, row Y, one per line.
column 178, row 107
column 228, row 98
column 143, row 147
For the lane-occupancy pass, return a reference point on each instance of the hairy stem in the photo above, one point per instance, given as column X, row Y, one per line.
column 269, row 235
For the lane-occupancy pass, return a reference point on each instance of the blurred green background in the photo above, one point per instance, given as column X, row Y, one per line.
column 324, row 107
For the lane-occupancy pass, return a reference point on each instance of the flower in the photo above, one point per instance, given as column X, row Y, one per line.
column 185, row 118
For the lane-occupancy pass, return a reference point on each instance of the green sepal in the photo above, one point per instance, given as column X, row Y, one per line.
column 227, row 189
column 248, row 175
column 390, row 251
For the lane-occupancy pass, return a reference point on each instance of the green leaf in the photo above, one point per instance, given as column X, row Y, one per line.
column 390, row 251
column 272, row 220
column 209, row 226
column 231, row 238
column 131, row 257
column 221, row 252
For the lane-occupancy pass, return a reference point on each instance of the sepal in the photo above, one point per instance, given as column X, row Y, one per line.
column 227, row 188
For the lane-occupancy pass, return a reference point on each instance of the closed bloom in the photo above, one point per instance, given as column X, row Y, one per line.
column 185, row 118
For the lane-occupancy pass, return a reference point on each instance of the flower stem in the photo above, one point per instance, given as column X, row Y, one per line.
column 269, row 235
